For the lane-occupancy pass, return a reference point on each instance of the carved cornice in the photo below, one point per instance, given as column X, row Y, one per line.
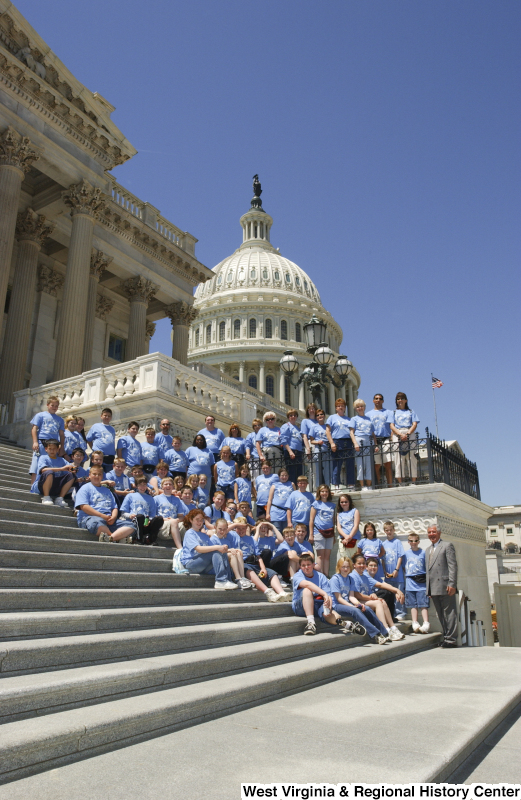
column 16, row 150
column 104, row 306
column 98, row 263
column 139, row 290
column 181, row 313
column 32, row 226
column 83, row 198
column 150, row 330
column 49, row 281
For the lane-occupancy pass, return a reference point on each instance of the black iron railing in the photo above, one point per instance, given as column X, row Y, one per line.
column 393, row 463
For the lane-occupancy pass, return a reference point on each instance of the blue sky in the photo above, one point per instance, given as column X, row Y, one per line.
column 386, row 136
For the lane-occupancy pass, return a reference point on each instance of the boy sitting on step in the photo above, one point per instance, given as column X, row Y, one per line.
column 141, row 508
column 122, row 485
column 313, row 597
column 221, row 535
column 46, row 425
column 54, row 476
column 169, row 506
column 264, row 579
column 98, row 511
column 75, row 468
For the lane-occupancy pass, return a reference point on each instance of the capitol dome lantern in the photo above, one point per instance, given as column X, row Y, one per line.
column 254, row 309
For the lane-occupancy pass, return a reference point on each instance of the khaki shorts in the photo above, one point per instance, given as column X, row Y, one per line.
column 164, row 531
column 383, row 456
column 347, row 552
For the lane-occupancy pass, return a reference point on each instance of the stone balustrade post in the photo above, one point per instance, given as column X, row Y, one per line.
column 98, row 262
column 84, row 201
column 181, row 316
column 16, row 158
column 139, row 292
column 31, row 230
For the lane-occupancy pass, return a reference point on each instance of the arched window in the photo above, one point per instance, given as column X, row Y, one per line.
column 253, row 274
column 252, row 381
column 276, row 275
column 253, row 328
column 287, row 392
column 222, row 331
column 297, row 280
column 268, row 329
column 270, row 385
column 283, row 329
column 265, row 274
column 298, row 332
column 219, row 280
column 197, row 337
column 288, row 277
column 208, row 334
column 229, row 277
column 236, row 329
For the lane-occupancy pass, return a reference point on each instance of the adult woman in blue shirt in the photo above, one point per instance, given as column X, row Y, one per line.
column 268, row 442
column 405, row 439
column 362, row 436
column 306, row 429
column 293, row 444
column 201, row 555
column 339, row 438
column 200, row 458
column 322, row 463
column 321, row 527
column 236, row 443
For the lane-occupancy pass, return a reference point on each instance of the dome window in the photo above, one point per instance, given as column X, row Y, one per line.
column 276, row 275
column 288, row 277
column 297, row 281
column 222, row 331
column 252, row 381
column 283, row 329
column 197, row 337
column 253, row 328
column 219, row 280
column 241, row 274
column 230, row 277
column 306, row 287
column 268, row 329
column 298, row 332
column 265, row 274
column 237, row 329
column 270, row 385
column 208, row 334
column 253, row 274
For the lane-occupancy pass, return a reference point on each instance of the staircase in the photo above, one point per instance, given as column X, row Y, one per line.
column 102, row 645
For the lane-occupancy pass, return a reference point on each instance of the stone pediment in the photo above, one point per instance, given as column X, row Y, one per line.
column 29, row 63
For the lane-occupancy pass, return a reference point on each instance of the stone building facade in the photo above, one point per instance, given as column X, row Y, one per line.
column 86, row 268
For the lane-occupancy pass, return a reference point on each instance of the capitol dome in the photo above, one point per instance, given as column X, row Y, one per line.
column 253, row 309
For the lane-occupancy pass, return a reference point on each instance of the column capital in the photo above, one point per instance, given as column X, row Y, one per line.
column 150, row 330
column 139, row 289
column 33, row 227
column 99, row 262
column 181, row 313
column 16, row 151
column 242, row 364
column 83, row 198
column 49, row 281
column 104, row 306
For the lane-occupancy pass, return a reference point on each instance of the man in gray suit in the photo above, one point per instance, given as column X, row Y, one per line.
column 441, row 584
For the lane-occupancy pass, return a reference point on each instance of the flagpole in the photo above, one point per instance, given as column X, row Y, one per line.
column 434, row 401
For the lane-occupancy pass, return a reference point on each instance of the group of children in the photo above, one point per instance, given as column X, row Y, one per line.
column 137, row 492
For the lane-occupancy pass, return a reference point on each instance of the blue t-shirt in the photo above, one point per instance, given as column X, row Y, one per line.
column 393, row 550
column 381, row 420
column 324, row 516
column 290, row 434
column 193, row 539
column 248, row 546
column 347, row 522
column 73, row 440
column 363, row 583
column 341, row 585
column 236, row 444
column 102, row 437
column 214, row 439
column 414, row 564
column 268, row 437
column 404, row 419
column 243, row 490
column 300, row 505
column 318, row 432
column 280, row 497
column 200, row 461
column 232, row 539
column 266, row 543
column 46, row 461
column 225, row 472
column 372, row 547
column 249, row 444
column 201, row 497
column 176, row 459
column 214, row 513
column 263, row 484
column 81, row 473
column 152, row 454
column 318, row 578
column 362, row 426
column 99, row 498
column 49, row 425
column 130, row 450
column 164, row 441
column 137, row 503
column 122, row 481
column 339, row 426
column 168, row 507
column 284, row 547
column 306, row 427
column 306, row 545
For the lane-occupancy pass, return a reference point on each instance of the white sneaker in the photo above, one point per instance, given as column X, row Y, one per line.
column 271, row 596
column 365, row 489
column 416, row 627
column 225, row 585
column 380, row 639
column 46, row 501
column 60, row 502
column 104, row 537
column 310, row 629
column 425, row 628
column 243, row 583
column 127, row 540
column 285, row 597
column 398, row 633
column 345, row 627
column 394, row 635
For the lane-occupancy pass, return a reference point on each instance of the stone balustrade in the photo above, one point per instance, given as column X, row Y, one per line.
column 127, row 200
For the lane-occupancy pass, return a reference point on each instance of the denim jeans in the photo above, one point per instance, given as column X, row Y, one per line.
column 366, row 618
column 294, row 465
column 214, row 563
column 343, row 455
column 322, row 463
column 399, row 608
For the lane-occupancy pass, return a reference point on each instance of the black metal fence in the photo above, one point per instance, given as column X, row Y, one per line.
column 394, row 462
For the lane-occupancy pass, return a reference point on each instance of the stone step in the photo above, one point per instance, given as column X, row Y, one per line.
column 47, row 544
column 54, row 515
column 14, row 493
column 39, row 599
column 25, row 624
column 91, row 579
column 13, row 461
column 27, row 746
column 15, row 482
column 25, row 696
column 43, row 528
column 60, row 652
column 28, row 560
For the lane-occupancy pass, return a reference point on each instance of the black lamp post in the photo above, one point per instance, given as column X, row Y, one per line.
column 317, row 374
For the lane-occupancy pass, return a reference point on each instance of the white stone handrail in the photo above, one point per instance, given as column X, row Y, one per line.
column 122, row 197
column 169, row 231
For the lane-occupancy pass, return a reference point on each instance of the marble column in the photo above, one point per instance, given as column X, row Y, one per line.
column 150, row 329
column 241, row 371
column 84, row 201
column 98, row 262
column 301, row 397
column 282, row 387
column 139, row 291
column 332, row 397
column 16, row 158
column 181, row 316
column 350, row 409
column 262, row 379
column 31, row 230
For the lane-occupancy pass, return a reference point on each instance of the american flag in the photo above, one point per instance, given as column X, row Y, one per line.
column 436, row 383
